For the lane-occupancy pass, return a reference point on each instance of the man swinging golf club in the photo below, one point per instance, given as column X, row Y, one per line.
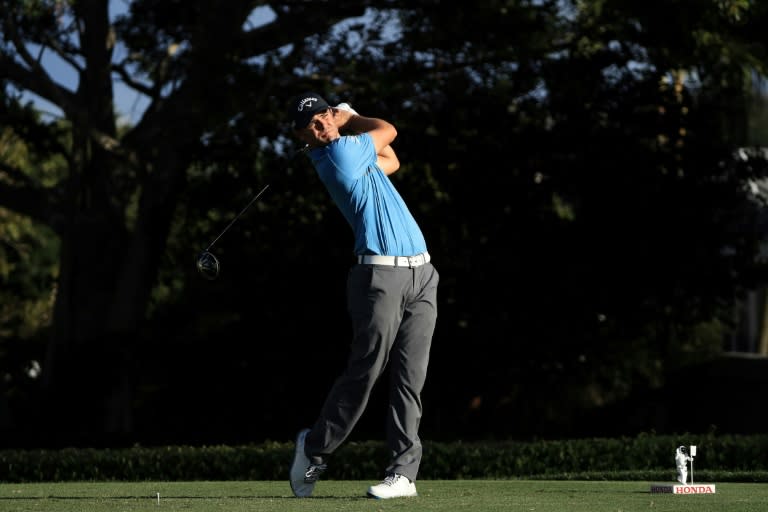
column 391, row 294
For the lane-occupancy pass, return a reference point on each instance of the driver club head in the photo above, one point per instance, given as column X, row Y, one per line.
column 208, row 265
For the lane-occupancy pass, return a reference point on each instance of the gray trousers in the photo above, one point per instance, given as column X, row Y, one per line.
column 393, row 312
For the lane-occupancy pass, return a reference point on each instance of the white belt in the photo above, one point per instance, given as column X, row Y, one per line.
column 395, row 261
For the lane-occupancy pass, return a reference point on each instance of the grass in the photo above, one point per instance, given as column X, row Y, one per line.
column 434, row 495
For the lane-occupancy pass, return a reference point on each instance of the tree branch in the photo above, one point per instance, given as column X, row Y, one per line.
column 37, row 81
column 274, row 35
column 130, row 82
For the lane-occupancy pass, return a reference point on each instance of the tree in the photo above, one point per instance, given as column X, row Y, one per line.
column 117, row 187
column 515, row 118
column 605, row 226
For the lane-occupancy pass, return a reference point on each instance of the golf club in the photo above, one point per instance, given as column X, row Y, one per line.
column 207, row 264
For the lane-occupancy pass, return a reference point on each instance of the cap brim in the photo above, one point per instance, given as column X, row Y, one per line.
column 306, row 117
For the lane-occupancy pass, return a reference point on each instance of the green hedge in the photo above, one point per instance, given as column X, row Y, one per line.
column 645, row 457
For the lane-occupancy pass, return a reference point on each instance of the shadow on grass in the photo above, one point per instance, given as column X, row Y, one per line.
column 154, row 497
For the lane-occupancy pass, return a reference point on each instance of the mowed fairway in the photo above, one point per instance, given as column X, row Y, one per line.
column 333, row 496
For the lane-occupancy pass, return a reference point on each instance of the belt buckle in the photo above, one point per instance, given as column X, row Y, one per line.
column 415, row 261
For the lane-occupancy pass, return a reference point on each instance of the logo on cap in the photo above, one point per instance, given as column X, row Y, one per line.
column 306, row 102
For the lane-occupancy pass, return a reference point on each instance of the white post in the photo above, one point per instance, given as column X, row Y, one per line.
column 693, row 454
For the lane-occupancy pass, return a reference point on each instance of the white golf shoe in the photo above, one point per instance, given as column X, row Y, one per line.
column 304, row 473
column 393, row 486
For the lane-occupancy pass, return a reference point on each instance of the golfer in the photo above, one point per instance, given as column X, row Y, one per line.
column 391, row 294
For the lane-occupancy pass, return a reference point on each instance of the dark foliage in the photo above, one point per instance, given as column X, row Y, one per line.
column 576, row 170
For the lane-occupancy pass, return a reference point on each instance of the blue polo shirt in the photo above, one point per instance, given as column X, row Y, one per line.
column 380, row 220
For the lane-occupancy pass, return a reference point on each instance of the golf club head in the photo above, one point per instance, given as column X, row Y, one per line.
column 208, row 265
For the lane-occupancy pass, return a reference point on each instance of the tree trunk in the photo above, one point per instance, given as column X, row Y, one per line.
column 104, row 286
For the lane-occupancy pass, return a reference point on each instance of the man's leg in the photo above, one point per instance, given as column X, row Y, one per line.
column 408, row 371
column 374, row 297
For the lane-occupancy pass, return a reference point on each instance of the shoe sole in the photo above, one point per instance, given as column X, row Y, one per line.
column 374, row 497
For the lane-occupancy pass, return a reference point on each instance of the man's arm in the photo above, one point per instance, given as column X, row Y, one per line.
column 387, row 160
column 382, row 133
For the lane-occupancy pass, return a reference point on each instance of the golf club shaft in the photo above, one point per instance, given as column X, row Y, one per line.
column 238, row 216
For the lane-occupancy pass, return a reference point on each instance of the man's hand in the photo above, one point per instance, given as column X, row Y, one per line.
column 342, row 114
